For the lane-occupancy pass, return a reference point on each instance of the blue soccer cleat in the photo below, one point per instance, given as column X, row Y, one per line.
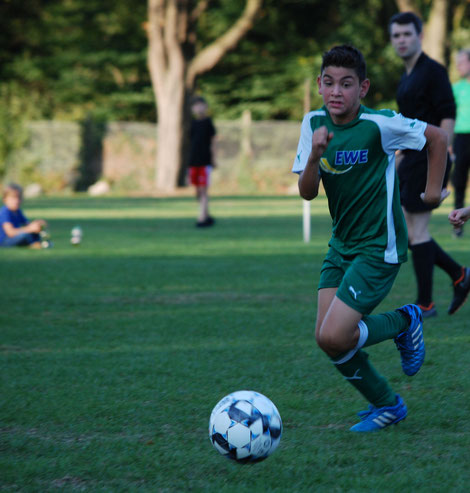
column 378, row 418
column 410, row 343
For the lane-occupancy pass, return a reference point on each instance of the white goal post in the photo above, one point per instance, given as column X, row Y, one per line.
column 306, row 220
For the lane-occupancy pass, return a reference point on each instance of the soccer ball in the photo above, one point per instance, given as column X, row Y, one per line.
column 245, row 426
column 76, row 235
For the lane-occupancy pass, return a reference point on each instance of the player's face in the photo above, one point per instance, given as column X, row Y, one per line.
column 12, row 201
column 342, row 93
column 199, row 109
column 405, row 40
column 463, row 64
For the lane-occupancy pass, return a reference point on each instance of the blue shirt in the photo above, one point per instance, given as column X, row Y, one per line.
column 16, row 218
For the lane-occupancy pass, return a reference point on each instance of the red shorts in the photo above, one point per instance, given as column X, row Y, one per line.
column 199, row 175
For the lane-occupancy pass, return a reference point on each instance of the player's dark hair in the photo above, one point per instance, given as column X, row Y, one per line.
column 406, row 18
column 198, row 99
column 345, row 56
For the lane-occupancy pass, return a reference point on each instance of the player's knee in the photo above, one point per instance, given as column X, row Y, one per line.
column 330, row 343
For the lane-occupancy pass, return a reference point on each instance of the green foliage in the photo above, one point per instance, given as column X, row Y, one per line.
column 113, row 354
column 88, row 57
column 268, row 70
column 17, row 108
column 79, row 56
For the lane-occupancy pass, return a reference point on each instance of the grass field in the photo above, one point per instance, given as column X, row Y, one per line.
column 113, row 354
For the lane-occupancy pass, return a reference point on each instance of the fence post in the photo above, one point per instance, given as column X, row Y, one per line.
column 247, row 150
column 306, row 214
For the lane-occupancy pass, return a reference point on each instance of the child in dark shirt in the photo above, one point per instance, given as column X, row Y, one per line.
column 201, row 157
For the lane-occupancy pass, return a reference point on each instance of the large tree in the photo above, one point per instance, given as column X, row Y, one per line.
column 175, row 61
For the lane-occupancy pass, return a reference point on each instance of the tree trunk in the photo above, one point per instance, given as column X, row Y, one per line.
column 166, row 31
column 169, row 137
column 435, row 31
column 174, row 68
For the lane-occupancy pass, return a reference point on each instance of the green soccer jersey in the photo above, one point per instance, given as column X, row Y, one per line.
column 360, row 181
column 462, row 99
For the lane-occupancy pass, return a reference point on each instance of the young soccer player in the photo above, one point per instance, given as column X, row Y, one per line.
column 351, row 149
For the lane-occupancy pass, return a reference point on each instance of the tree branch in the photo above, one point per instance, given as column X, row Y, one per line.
column 407, row 6
column 213, row 53
column 157, row 59
column 198, row 10
column 171, row 24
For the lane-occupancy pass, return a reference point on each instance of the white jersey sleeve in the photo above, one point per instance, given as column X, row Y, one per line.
column 304, row 147
column 399, row 132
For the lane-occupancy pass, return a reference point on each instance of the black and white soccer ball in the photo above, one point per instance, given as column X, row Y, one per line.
column 245, row 426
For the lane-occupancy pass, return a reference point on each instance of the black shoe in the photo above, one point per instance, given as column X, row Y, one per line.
column 209, row 221
column 429, row 310
column 461, row 290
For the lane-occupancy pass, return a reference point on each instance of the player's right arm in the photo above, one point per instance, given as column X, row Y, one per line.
column 309, row 178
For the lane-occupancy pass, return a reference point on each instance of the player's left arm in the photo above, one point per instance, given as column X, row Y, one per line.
column 436, row 139
column 448, row 124
column 443, row 99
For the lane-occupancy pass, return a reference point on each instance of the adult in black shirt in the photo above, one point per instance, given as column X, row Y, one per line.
column 425, row 93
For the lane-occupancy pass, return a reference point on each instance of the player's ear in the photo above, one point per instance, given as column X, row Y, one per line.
column 365, row 84
column 319, row 84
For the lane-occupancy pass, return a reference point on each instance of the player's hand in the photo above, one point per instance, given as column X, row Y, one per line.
column 450, row 151
column 458, row 217
column 320, row 140
column 435, row 201
column 35, row 226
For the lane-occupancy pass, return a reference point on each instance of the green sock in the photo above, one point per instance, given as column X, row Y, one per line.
column 384, row 326
column 361, row 374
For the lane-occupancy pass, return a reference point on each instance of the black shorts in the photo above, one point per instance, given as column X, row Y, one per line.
column 412, row 175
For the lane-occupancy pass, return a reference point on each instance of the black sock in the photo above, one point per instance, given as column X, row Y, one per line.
column 423, row 255
column 446, row 263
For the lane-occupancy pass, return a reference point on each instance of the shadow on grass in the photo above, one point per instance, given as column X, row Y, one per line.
column 87, row 202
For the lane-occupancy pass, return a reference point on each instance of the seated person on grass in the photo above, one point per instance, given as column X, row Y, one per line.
column 15, row 229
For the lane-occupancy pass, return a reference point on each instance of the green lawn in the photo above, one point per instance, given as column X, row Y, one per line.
column 113, row 354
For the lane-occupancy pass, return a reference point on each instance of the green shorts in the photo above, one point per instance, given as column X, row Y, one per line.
column 362, row 282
